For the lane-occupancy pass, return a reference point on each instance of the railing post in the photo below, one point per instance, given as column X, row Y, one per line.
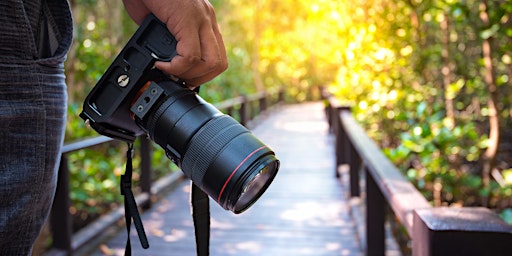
column 337, row 128
column 460, row 231
column 229, row 111
column 345, row 151
column 145, row 169
column 329, row 115
column 243, row 111
column 251, row 108
column 60, row 219
column 375, row 217
column 280, row 97
column 354, row 161
column 263, row 102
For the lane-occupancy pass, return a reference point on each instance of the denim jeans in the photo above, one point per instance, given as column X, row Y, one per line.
column 32, row 120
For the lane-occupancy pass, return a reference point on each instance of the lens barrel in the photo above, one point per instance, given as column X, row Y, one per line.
column 216, row 152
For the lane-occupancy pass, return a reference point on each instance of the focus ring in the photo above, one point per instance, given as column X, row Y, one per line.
column 214, row 136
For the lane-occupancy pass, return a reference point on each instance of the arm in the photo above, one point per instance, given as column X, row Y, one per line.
column 201, row 52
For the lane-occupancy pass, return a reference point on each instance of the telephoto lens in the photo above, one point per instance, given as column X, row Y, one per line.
column 216, row 152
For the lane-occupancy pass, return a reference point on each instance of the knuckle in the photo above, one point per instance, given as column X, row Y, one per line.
column 192, row 60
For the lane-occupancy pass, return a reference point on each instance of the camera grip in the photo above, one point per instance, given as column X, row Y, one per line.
column 107, row 107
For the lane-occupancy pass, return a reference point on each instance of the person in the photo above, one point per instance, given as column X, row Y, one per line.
column 35, row 36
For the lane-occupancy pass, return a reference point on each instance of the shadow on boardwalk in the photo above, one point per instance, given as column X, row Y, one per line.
column 304, row 212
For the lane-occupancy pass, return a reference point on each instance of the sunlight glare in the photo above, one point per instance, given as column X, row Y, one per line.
column 175, row 235
column 91, row 25
column 87, row 43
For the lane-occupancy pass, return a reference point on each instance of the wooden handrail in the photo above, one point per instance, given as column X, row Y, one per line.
column 402, row 196
column 434, row 231
column 231, row 102
column 85, row 143
column 60, row 221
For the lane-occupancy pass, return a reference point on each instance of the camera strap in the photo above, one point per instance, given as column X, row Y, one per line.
column 200, row 208
column 201, row 215
column 130, row 206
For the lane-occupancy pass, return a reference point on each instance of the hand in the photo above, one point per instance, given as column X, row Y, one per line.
column 201, row 54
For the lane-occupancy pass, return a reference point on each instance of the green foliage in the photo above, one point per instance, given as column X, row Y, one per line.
column 507, row 215
column 412, row 71
column 431, row 152
column 95, row 179
column 234, row 81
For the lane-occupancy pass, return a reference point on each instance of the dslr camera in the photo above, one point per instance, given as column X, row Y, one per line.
column 216, row 152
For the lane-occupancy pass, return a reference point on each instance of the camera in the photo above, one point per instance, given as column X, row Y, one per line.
column 216, row 152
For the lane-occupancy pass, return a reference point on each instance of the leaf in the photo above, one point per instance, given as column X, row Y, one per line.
column 490, row 32
column 454, row 88
column 507, row 215
column 420, row 110
column 507, row 175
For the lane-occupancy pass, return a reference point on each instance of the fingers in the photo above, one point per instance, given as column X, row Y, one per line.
column 201, row 54
column 197, row 55
column 195, row 69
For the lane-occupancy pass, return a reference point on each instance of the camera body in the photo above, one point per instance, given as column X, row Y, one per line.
column 216, row 152
column 107, row 107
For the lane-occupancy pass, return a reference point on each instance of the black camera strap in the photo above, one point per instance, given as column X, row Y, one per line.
column 130, row 206
column 200, row 208
column 201, row 216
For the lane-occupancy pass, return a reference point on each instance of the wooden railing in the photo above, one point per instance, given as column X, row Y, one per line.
column 433, row 231
column 64, row 241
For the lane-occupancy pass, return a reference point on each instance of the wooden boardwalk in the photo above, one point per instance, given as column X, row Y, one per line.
column 304, row 212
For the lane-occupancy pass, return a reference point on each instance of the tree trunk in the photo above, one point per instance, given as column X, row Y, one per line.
column 446, row 71
column 489, row 156
column 258, row 81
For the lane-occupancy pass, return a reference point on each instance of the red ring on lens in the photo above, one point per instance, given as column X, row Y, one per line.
column 236, row 169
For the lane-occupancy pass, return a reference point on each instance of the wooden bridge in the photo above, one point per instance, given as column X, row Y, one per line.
column 330, row 197
column 304, row 212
